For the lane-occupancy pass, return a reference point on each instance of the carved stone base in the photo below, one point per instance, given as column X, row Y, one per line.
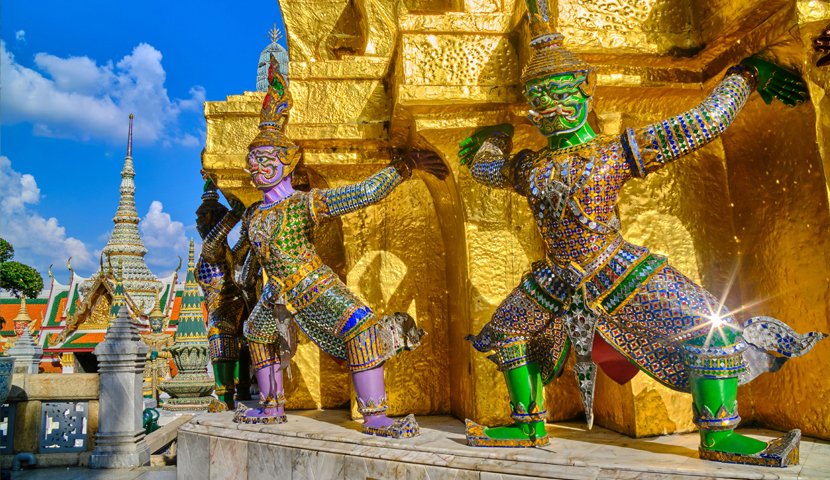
column 187, row 403
column 329, row 445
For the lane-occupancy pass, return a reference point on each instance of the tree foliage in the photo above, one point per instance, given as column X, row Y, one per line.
column 6, row 251
column 16, row 278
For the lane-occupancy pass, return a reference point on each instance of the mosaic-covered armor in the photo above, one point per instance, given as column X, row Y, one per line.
column 301, row 287
column 226, row 305
column 281, row 235
column 596, row 290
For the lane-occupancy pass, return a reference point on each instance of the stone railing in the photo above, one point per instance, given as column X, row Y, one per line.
column 53, row 416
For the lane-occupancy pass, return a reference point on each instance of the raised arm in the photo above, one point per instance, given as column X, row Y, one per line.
column 651, row 147
column 240, row 250
column 492, row 166
column 487, row 152
column 215, row 240
column 212, row 246
column 333, row 202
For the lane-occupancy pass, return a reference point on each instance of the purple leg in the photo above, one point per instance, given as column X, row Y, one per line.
column 371, row 397
column 270, row 385
column 279, row 392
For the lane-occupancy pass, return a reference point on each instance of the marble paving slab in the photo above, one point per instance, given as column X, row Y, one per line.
column 316, row 444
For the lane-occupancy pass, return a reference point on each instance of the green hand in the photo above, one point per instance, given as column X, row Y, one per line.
column 469, row 147
column 154, row 355
column 237, row 207
column 778, row 83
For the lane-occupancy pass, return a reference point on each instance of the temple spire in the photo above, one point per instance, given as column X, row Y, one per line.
column 281, row 55
column 130, row 138
column 191, row 328
column 125, row 247
column 23, row 314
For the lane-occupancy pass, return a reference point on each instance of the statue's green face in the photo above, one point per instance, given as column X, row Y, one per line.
column 557, row 104
column 155, row 325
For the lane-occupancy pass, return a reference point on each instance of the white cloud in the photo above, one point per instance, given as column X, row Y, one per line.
column 37, row 241
column 20, row 36
column 163, row 237
column 189, row 140
column 78, row 98
column 196, row 103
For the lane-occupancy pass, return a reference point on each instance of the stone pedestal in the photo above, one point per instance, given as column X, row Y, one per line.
column 327, row 444
column 191, row 388
column 121, row 356
column 27, row 353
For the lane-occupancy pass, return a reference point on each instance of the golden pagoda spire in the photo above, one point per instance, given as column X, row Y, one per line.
column 157, row 313
column 274, row 35
column 22, row 314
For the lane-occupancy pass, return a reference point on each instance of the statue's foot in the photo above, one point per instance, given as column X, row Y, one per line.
column 217, row 406
column 383, row 426
column 227, row 400
column 731, row 447
column 259, row 415
column 516, row 435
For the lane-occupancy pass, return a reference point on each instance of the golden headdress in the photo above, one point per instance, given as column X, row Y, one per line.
column 273, row 117
column 548, row 57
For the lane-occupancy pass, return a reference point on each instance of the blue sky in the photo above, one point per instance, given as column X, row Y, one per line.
column 71, row 74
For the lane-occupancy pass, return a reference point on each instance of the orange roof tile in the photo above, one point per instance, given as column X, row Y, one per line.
column 177, row 305
column 85, row 340
column 61, row 307
column 9, row 310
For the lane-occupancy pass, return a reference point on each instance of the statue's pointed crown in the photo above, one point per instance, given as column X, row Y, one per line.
column 275, row 109
column 548, row 56
column 272, row 119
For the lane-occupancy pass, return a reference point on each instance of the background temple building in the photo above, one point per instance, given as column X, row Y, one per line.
column 69, row 320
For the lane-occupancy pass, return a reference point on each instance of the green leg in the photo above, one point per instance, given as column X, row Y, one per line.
column 223, row 373
column 527, row 398
column 243, row 374
column 711, row 395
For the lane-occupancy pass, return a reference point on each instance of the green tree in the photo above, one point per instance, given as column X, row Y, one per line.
column 16, row 278
column 6, row 251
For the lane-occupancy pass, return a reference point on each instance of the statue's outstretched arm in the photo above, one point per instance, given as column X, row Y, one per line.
column 651, row 147
column 333, row 202
column 243, row 245
column 494, row 167
column 213, row 242
column 487, row 152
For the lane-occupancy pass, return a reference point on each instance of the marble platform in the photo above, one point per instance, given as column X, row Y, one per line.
column 327, row 445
